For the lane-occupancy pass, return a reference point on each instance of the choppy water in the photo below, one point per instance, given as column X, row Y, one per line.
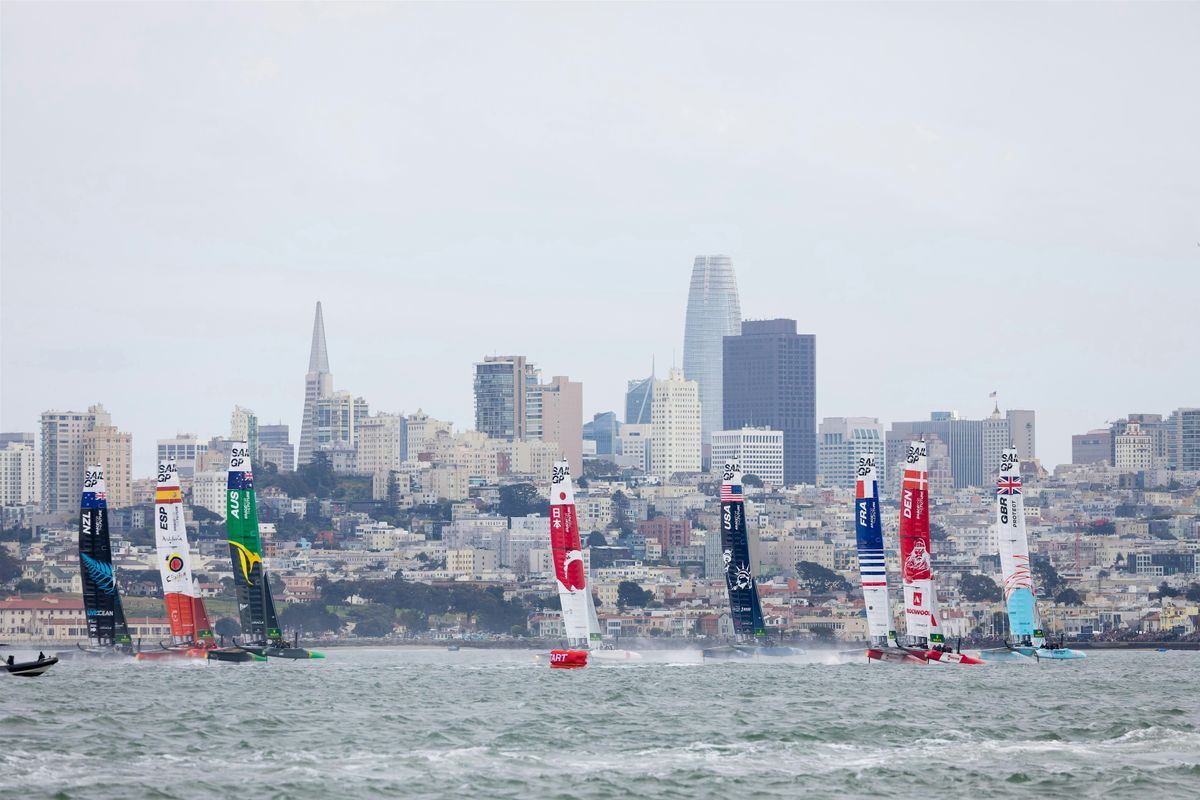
column 409, row 723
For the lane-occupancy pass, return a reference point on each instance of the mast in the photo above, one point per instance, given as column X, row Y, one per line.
column 915, row 556
column 245, row 550
column 735, row 552
column 174, row 560
column 872, row 563
column 567, row 552
column 101, row 598
column 1014, row 551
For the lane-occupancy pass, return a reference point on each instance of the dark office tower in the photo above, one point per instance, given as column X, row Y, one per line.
column 770, row 380
column 638, row 395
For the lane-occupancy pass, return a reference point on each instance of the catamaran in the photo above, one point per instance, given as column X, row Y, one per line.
column 925, row 642
column 108, row 634
column 191, row 634
column 745, row 608
column 1028, row 639
column 580, row 623
column 256, row 606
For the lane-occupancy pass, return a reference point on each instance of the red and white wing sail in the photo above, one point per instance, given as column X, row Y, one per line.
column 567, row 552
column 174, row 560
column 915, row 556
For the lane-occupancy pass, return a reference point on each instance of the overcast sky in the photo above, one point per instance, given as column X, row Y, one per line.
column 953, row 198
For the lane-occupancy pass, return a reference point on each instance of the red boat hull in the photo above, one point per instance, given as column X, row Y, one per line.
column 568, row 659
column 173, row 654
column 896, row 655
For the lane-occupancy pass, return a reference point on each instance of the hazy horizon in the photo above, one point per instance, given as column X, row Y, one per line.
column 955, row 199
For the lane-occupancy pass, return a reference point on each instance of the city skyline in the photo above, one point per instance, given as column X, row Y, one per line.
column 1030, row 228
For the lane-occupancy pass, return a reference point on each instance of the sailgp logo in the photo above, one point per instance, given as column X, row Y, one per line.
column 247, row 559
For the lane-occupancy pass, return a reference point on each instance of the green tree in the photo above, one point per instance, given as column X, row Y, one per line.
column 1193, row 593
column 1046, row 578
column 521, row 499
column 819, row 579
column 630, row 595
column 310, row 617
column 750, row 479
column 596, row 539
column 30, row 585
column 980, row 589
column 374, row 627
column 1068, row 597
column 227, row 627
column 10, row 568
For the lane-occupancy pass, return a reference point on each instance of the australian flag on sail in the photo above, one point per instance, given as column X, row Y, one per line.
column 731, row 493
column 240, row 480
column 1009, row 484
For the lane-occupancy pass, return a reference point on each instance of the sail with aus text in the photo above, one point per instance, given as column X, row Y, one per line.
column 101, row 596
column 735, row 554
column 872, row 562
column 255, row 604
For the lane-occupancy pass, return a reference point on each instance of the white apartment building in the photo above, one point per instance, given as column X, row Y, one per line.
column 633, row 447
column 1134, row 450
column 841, row 441
column 185, row 450
column 62, row 455
column 675, row 426
column 113, row 451
column 209, row 490
column 18, row 474
column 379, row 445
column 758, row 450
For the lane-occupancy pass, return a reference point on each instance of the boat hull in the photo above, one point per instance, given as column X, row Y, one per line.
column 941, row 657
column 1051, row 653
column 31, row 669
column 568, row 659
column 173, row 654
column 1003, row 655
column 234, row 655
column 896, row 655
column 615, row 655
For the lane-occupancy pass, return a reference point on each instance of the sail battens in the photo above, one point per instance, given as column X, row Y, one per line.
column 920, row 616
column 1014, row 549
column 567, row 552
column 185, row 609
column 256, row 608
column 872, row 561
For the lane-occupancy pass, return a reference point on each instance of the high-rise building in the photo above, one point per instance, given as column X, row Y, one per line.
column 760, row 451
column 1185, row 438
column 1133, row 449
column 562, row 418
column 508, row 402
column 18, row 470
column 974, row 445
column 603, row 430
column 422, row 433
column 337, row 419
column 113, row 450
column 1022, row 429
column 318, row 385
column 840, row 443
column 633, row 447
column 675, row 426
column 1092, row 447
column 185, row 450
column 275, row 447
column 713, row 312
column 770, row 381
column 62, row 456
column 638, row 396
column 243, row 427
column 380, row 443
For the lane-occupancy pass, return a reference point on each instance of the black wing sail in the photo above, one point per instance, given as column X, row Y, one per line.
column 101, row 599
column 735, row 552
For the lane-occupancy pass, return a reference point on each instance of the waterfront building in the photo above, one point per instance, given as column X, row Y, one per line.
column 318, row 385
column 18, row 472
column 770, row 381
column 713, row 312
column 62, row 456
column 675, row 426
column 185, row 450
column 760, row 451
column 841, row 441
